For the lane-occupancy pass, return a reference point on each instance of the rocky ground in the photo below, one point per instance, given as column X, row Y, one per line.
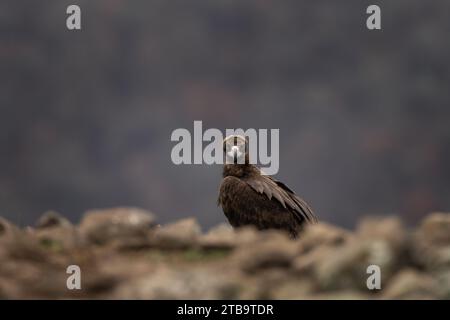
column 124, row 254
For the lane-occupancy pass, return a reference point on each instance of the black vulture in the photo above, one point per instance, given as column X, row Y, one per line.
column 248, row 197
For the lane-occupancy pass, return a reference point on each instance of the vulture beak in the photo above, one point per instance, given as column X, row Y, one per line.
column 234, row 153
column 233, row 147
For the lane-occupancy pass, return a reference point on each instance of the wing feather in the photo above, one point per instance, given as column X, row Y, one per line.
column 284, row 195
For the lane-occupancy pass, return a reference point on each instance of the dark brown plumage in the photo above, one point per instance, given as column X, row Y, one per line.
column 249, row 198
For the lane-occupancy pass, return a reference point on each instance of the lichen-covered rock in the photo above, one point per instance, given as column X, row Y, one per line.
column 443, row 279
column 387, row 229
column 59, row 238
column 19, row 248
column 293, row 289
column 124, row 255
column 307, row 264
column 178, row 235
column 316, row 244
column 435, row 229
column 411, row 284
column 54, row 232
column 377, row 241
column 247, row 235
column 102, row 226
column 272, row 249
column 221, row 237
column 341, row 295
column 174, row 283
column 346, row 267
column 323, row 234
column 225, row 237
column 431, row 244
column 6, row 228
column 52, row 219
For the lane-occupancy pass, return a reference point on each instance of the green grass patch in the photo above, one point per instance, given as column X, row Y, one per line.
column 188, row 255
column 51, row 244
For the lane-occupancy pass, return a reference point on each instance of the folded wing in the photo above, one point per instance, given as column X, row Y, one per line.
column 277, row 191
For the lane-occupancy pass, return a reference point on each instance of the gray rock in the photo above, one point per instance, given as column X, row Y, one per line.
column 387, row 229
column 435, row 229
column 431, row 244
column 378, row 241
column 341, row 295
column 7, row 228
column 247, row 235
column 410, row 284
column 179, row 235
column 193, row 283
column 22, row 246
column 176, row 261
column 59, row 238
column 221, row 237
column 346, row 267
column 52, row 219
column 272, row 249
column 294, row 289
column 323, row 234
column 116, row 224
column 443, row 279
column 306, row 264
column 225, row 237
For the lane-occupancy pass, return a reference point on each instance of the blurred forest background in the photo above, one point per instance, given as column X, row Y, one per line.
column 86, row 116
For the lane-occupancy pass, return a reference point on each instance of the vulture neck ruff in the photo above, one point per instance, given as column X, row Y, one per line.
column 240, row 170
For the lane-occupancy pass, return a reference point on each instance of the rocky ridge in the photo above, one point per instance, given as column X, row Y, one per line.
column 123, row 253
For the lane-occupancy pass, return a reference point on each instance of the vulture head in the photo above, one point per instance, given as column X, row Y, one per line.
column 236, row 149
